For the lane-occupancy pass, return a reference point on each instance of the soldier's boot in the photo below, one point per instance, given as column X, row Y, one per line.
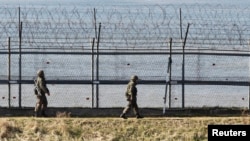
column 44, row 114
column 35, row 114
column 123, row 116
column 138, row 116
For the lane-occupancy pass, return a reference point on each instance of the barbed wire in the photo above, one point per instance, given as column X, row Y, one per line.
column 130, row 27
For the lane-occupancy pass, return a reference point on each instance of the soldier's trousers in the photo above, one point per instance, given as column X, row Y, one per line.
column 132, row 104
column 41, row 103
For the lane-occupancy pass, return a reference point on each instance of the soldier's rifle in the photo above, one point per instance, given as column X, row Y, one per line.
column 37, row 90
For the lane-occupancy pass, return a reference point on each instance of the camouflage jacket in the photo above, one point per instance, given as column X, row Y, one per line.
column 131, row 89
column 41, row 84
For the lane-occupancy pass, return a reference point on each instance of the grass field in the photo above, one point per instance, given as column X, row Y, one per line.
column 111, row 129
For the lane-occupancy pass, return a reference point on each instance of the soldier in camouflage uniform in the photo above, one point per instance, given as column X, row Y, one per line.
column 41, row 104
column 131, row 94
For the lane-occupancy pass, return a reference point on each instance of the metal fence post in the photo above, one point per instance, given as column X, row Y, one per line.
column 95, row 23
column 20, row 59
column 170, row 73
column 169, row 81
column 92, row 75
column 9, row 72
column 180, row 24
column 183, row 68
column 97, row 67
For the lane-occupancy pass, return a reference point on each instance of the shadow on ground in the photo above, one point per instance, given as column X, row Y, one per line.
column 115, row 112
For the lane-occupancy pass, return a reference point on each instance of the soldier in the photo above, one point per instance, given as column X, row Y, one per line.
column 131, row 93
column 41, row 104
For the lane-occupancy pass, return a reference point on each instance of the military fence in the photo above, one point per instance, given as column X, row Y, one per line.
column 185, row 56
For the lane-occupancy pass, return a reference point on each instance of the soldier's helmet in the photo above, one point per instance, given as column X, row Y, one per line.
column 40, row 73
column 134, row 77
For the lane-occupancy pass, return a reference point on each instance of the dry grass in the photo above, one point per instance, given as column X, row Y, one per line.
column 65, row 128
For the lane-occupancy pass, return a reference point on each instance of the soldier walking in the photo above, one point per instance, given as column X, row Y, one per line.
column 42, row 90
column 131, row 95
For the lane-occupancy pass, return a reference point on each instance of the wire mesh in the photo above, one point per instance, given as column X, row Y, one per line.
column 210, row 96
column 212, row 27
column 133, row 40
column 121, row 67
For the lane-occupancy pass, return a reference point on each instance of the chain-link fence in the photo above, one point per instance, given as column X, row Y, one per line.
column 88, row 55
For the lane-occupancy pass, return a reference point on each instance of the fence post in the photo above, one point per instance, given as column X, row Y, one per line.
column 180, row 24
column 9, row 71
column 97, row 67
column 170, row 72
column 92, row 75
column 169, row 81
column 183, row 68
column 95, row 23
column 20, row 60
